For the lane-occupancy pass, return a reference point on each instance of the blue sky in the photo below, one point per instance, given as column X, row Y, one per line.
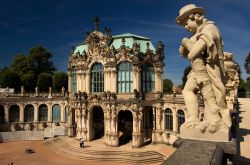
column 59, row 24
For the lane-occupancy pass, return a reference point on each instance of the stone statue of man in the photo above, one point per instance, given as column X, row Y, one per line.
column 204, row 50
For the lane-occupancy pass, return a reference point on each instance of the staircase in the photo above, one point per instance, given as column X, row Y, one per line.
column 73, row 151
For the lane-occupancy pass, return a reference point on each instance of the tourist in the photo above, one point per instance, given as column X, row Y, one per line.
column 81, row 143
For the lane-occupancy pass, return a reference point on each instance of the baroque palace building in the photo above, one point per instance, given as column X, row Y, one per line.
column 116, row 86
column 115, row 93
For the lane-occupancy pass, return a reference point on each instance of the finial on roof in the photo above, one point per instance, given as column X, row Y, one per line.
column 71, row 51
column 107, row 30
column 96, row 22
column 123, row 41
column 147, row 45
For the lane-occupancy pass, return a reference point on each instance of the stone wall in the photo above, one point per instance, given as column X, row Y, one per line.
column 21, row 135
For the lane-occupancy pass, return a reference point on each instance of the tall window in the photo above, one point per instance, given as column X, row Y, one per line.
column 181, row 118
column 168, row 119
column 43, row 113
column 147, row 78
column 1, row 114
column 97, row 78
column 73, row 81
column 56, row 113
column 124, row 78
column 29, row 113
column 14, row 113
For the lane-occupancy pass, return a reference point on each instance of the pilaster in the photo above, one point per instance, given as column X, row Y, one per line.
column 6, row 113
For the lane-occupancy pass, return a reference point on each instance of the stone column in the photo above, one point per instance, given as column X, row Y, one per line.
column 88, row 83
column 113, row 80
column 105, row 74
column 62, row 112
column 6, row 113
column 158, row 118
column 21, row 119
column 154, row 118
column 49, row 112
column 79, row 123
column 114, row 134
column 70, row 126
column 50, row 93
column 36, row 112
column 137, row 73
column 158, row 80
column 69, row 83
column 83, row 82
column 175, row 122
column 79, row 82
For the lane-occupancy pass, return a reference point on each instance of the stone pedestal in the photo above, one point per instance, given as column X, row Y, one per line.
column 196, row 152
column 70, row 131
column 137, row 140
column 221, row 135
column 157, row 136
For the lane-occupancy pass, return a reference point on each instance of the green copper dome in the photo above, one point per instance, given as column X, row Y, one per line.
column 129, row 38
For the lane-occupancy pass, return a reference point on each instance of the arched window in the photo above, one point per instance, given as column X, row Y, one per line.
column 14, row 113
column 43, row 112
column 147, row 78
column 56, row 113
column 73, row 81
column 1, row 114
column 97, row 78
column 29, row 113
column 124, row 78
column 181, row 118
column 168, row 119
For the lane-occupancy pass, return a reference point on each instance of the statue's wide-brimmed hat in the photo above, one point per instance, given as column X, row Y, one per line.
column 186, row 11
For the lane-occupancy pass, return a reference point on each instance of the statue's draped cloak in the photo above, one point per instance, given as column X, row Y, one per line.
column 210, row 34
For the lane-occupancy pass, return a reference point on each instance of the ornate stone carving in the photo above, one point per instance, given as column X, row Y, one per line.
column 113, row 112
column 84, row 110
column 98, row 45
column 140, row 113
column 205, row 53
column 231, row 70
column 160, row 51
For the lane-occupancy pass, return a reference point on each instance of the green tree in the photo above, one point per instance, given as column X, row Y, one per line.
column 248, row 84
column 44, row 82
column 167, row 86
column 11, row 79
column 29, row 81
column 60, row 79
column 242, row 84
column 20, row 64
column 185, row 74
column 247, row 63
column 39, row 59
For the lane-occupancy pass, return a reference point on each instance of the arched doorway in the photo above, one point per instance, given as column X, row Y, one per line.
column 97, row 123
column 125, row 126
column 2, row 114
column 148, row 124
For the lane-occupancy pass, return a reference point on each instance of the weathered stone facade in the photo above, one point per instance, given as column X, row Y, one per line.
column 117, row 113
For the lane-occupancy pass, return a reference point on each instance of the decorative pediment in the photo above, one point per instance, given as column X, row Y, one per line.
column 98, row 44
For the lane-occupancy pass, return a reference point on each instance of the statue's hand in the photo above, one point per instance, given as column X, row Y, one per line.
column 182, row 51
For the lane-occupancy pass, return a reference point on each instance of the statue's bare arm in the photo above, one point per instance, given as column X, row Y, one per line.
column 196, row 49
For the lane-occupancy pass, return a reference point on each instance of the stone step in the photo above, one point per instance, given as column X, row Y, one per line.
column 73, row 151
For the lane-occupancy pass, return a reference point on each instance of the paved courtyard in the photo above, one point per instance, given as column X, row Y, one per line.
column 15, row 152
column 243, row 133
